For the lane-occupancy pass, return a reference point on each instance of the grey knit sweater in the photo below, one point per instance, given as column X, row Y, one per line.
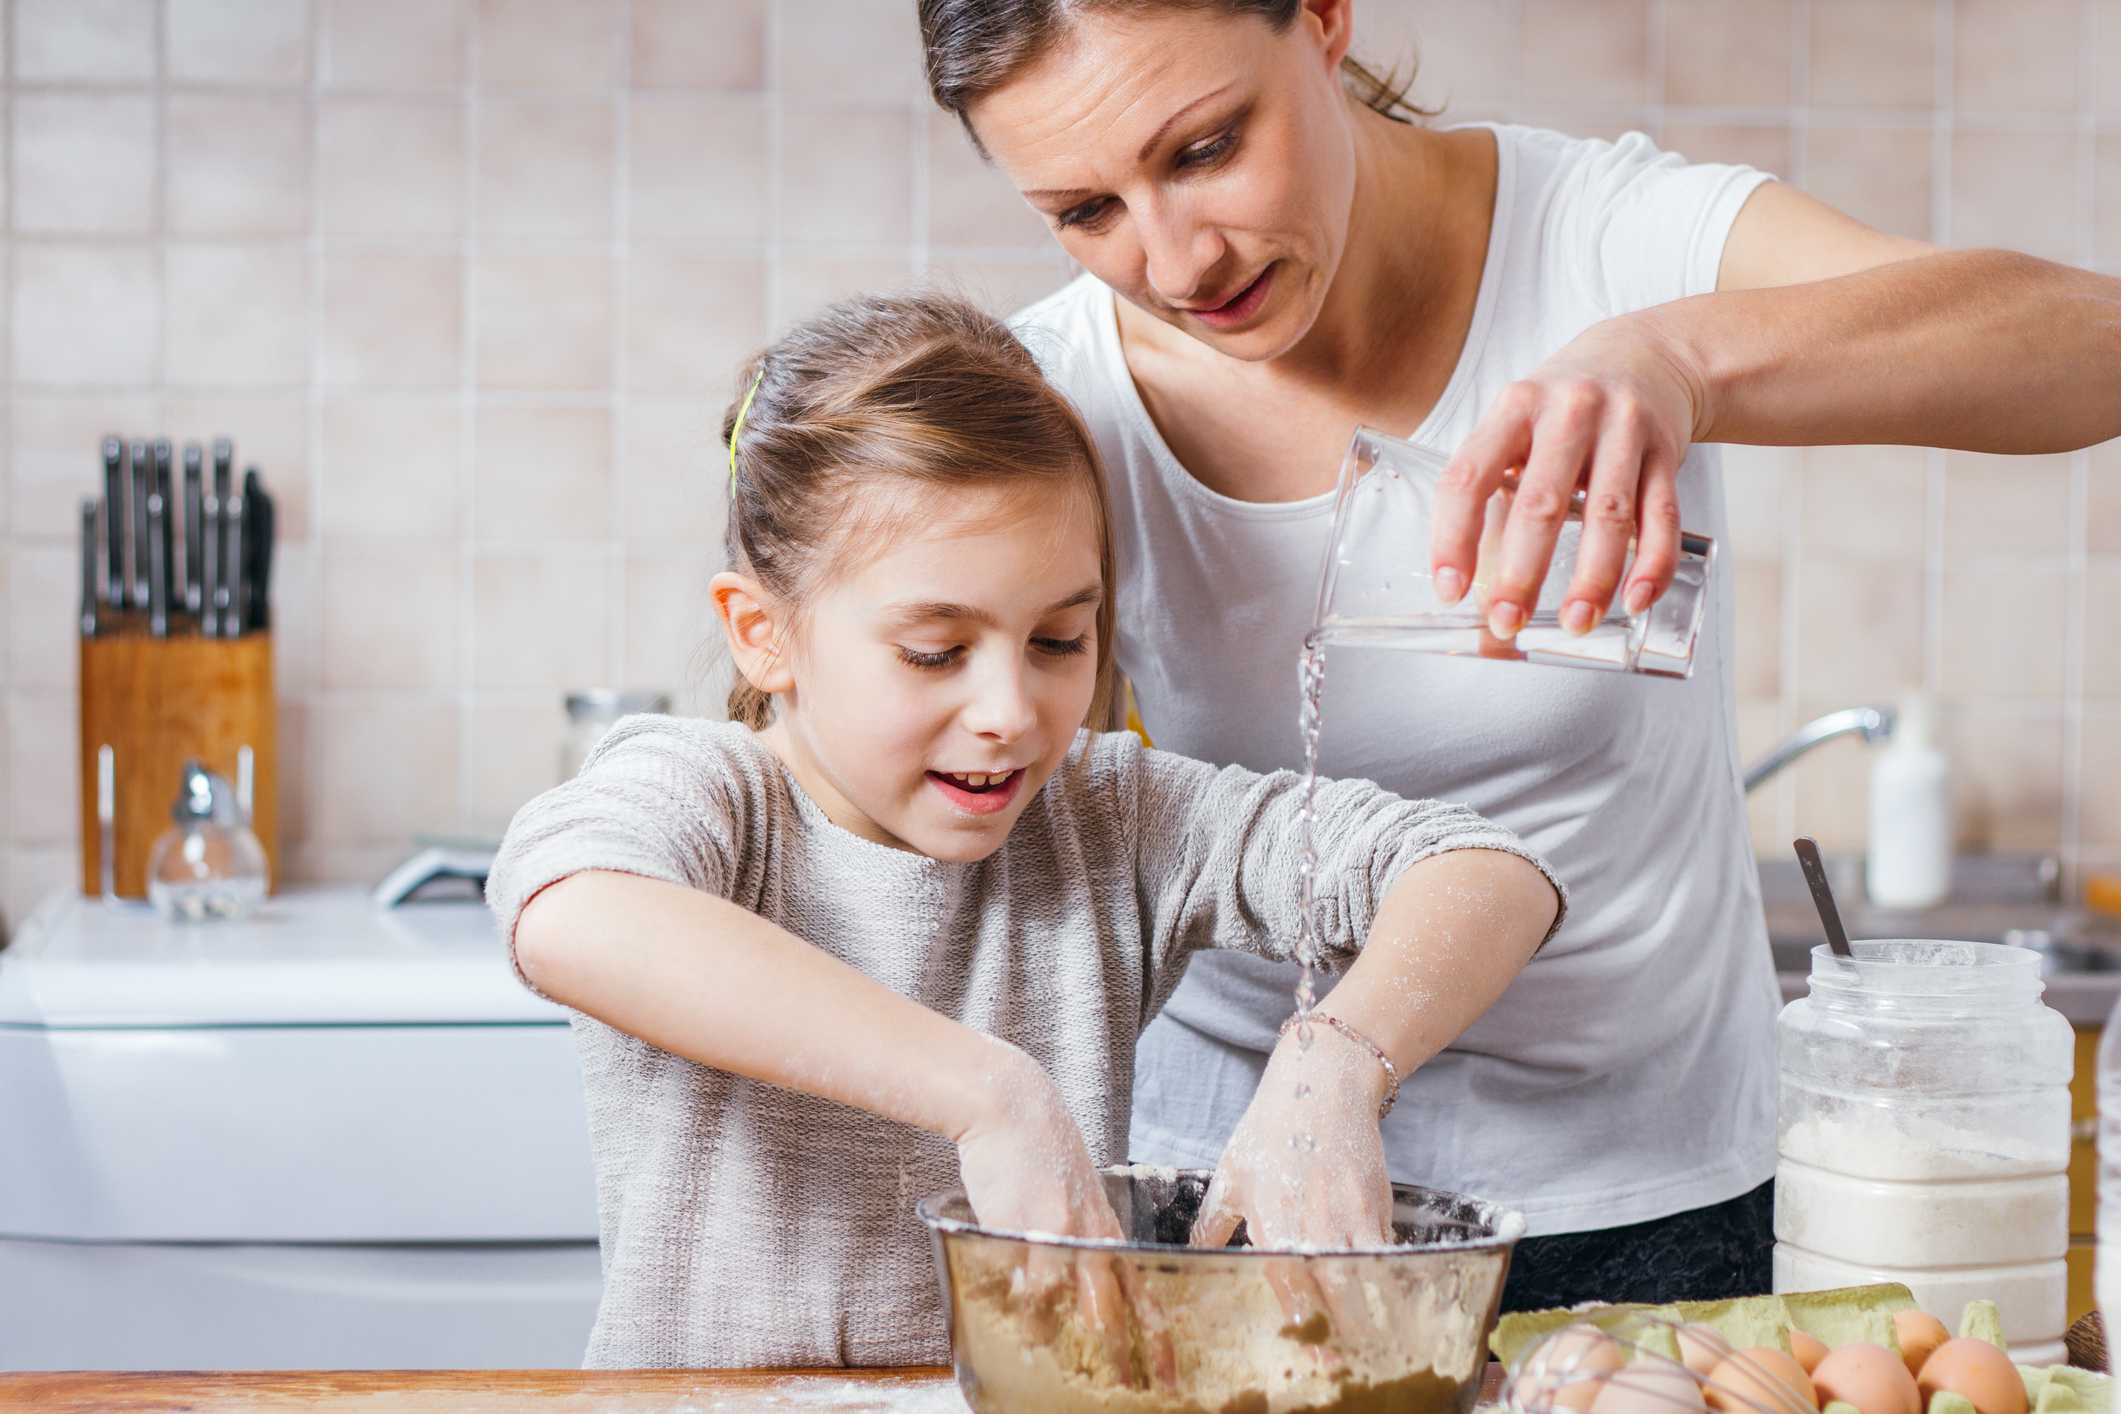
column 743, row 1224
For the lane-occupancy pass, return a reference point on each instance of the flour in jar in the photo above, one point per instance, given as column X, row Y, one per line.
column 1879, row 1190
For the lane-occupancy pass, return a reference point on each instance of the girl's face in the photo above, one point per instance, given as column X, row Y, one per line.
column 1197, row 162
column 929, row 695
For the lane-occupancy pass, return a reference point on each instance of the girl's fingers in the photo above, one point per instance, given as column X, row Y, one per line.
column 1104, row 1310
column 1608, row 525
column 1567, row 438
column 1157, row 1350
column 1217, row 1218
column 1499, row 445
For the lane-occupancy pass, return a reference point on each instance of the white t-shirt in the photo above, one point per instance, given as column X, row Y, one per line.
column 1629, row 1072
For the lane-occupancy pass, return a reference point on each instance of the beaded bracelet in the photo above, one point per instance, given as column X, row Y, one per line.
column 1391, row 1071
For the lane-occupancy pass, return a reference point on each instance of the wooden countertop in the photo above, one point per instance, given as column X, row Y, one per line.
column 917, row 1390
column 908, row 1391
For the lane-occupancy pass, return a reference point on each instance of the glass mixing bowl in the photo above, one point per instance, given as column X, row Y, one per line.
column 1153, row 1326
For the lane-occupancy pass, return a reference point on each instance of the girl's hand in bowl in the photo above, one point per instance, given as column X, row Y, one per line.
column 1306, row 1165
column 1306, row 1169
column 1027, row 1170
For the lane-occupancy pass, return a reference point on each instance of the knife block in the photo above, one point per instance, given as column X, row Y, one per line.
column 156, row 702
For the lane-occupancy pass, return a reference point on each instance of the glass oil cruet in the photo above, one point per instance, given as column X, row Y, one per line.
column 208, row 866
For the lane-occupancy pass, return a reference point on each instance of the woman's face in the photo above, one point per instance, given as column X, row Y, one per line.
column 1197, row 162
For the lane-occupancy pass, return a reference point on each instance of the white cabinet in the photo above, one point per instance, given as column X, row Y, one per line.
column 332, row 1136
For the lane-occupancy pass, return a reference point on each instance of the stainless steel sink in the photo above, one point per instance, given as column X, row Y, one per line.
column 1996, row 898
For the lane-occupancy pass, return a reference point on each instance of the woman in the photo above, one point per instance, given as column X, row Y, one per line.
column 1275, row 256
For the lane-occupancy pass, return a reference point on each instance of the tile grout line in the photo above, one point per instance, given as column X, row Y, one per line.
column 621, row 323
column 1791, row 531
column 9, row 696
column 312, row 674
column 2073, row 671
column 770, row 94
column 2077, row 585
column 1800, row 109
column 467, row 419
column 1943, row 96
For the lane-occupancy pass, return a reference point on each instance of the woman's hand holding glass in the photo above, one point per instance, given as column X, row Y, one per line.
column 1611, row 415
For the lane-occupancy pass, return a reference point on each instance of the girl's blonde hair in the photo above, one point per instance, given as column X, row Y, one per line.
column 922, row 394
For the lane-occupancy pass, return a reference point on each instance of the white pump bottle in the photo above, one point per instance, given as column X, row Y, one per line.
column 1910, row 862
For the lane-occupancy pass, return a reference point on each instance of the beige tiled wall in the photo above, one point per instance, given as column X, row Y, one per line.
column 468, row 281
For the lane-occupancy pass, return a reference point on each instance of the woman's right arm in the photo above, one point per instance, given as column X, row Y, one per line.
column 701, row 977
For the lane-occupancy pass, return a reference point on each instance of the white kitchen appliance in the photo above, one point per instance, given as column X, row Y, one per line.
column 332, row 1136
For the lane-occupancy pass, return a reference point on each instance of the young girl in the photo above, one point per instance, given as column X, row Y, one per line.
column 897, row 924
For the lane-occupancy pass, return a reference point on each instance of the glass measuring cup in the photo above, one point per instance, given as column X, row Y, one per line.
column 1376, row 588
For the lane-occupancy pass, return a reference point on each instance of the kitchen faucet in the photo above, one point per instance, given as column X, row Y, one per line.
column 1876, row 724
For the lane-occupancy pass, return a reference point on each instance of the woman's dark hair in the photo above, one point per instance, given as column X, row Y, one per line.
column 921, row 394
column 973, row 47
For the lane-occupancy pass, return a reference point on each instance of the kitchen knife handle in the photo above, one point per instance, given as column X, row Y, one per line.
column 188, row 582
column 157, row 586
column 136, row 528
column 259, row 526
column 91, row 570
column 164, row 486
column 232, row 575
column 113, row 524
column 210, row 561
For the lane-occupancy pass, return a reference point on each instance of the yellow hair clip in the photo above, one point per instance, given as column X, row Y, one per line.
column 736, row 429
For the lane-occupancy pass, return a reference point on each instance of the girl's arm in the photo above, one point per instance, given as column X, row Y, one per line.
column 703, row 978
column 1450, row 935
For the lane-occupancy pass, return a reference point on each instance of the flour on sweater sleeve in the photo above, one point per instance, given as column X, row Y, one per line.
column 662, row 797
column 1651, row 225
column 1217, row 857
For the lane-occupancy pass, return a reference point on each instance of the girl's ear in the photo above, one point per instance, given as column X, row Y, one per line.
column 754, row 634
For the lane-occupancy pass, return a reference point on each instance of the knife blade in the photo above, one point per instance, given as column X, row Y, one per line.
column 258, row 522
column 136, row 528
column 232, row 574
column 193, row 544
column 157, row 569
column 113, row 525
column 91, row 569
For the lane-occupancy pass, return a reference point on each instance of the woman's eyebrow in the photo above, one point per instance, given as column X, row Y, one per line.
column 1052, row 194
column 1176, row 118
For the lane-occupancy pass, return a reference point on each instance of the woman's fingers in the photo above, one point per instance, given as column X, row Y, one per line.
column 1657, row 544
column 1567, row 436
column 1602, row 417
column 1609, row 505
column 1498, row 446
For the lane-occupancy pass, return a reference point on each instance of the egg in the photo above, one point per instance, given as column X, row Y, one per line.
column 1652, row 1385
column 1977, row 1370
column 1808, row 1349
column 1868, row 1376
column 1761, row 1378
column 1920, row 1335
column 1702, row 1348
column 1566, row 1370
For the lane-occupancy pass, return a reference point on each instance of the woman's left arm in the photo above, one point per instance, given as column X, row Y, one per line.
column 1306, row 1163
column 1821, row 331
